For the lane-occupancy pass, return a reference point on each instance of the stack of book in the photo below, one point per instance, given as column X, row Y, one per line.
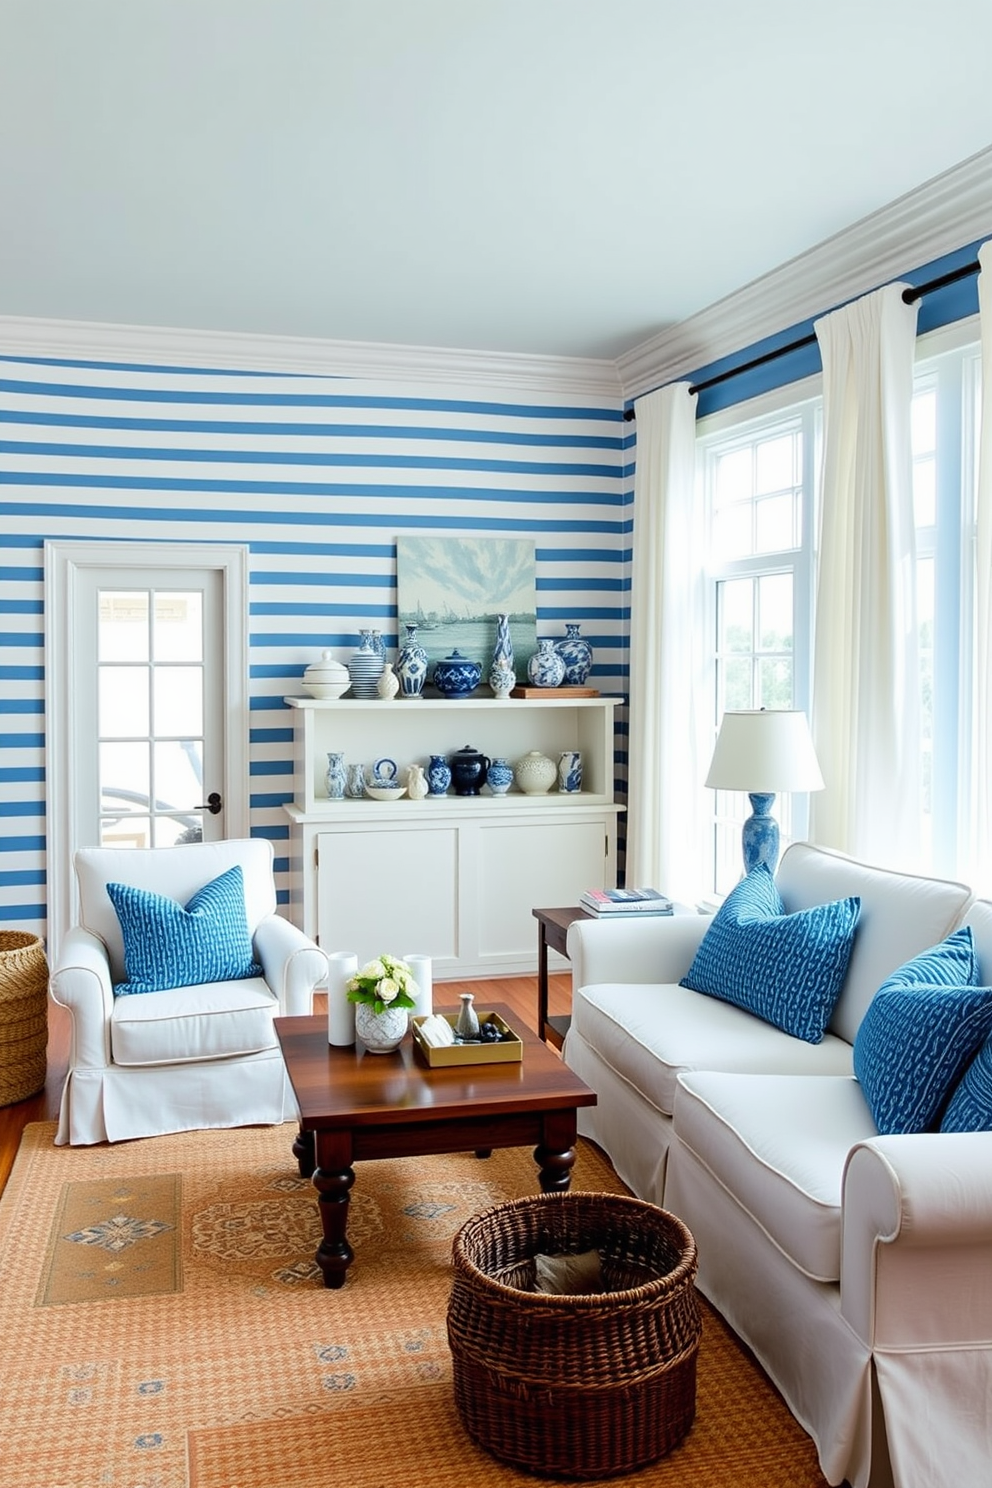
column 609, row 902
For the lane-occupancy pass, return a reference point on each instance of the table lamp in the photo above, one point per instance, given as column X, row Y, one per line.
column 763, row 751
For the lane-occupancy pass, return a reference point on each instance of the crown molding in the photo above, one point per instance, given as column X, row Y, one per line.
column 946, row 213
column 463, row 371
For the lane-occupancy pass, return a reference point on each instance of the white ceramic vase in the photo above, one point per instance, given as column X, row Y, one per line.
column 535, row 773
column 381, row 1033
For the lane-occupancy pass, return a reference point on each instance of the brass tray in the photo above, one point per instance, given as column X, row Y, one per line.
column 509, row 1052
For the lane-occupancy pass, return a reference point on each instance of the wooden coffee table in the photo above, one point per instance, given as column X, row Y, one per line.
column 355, row 1106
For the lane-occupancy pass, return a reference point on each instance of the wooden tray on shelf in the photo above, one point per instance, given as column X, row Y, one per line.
column 554, row 692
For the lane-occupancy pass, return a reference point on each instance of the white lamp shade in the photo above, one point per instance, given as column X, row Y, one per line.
column 765, row 751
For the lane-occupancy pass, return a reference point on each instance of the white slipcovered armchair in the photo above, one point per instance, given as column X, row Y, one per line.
column 191, row 1057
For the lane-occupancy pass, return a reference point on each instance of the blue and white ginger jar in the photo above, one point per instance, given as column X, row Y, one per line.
column 457, row 676
column 546, row 668
column 576, row 652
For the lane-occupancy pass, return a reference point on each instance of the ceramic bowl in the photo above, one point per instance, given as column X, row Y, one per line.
column 385, row 792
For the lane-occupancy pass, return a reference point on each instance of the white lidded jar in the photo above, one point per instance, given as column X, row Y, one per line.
column 326, row 678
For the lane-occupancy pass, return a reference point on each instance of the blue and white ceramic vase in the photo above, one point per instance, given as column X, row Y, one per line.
column 570, row 771
column 503, row 649
column 336, row 777
column 502, row 679
column 411, row 665
column 365, row 667
column 546, row 668
column 438, row 775
column 457, row 676
column 576, row 652
column 499, row 777
column 355, row 785
column 378, row 644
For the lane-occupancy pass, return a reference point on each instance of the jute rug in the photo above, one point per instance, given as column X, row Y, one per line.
column 163, row 1325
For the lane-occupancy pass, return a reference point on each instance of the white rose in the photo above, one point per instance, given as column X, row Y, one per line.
column 372, row 971
column 387, row 989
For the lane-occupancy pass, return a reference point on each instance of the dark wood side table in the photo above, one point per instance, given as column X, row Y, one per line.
column 552, row 930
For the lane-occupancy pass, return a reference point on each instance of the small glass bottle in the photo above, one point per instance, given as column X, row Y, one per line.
column 467, row 1026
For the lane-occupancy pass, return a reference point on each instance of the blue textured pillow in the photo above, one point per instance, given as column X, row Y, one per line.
column 917, row 1036
column 952, row 963
column 970, row 1107
column 786, row 968
column 166, row 945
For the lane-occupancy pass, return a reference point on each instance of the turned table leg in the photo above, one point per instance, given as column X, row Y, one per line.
column 333, row 1179
column 555, row 1153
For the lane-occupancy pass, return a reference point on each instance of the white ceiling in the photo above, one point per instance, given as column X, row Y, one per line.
column 561, row 177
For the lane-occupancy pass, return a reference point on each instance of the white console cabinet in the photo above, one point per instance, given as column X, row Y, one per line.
column 454, row 878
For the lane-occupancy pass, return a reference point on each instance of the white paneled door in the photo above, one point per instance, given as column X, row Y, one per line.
column 146, row 731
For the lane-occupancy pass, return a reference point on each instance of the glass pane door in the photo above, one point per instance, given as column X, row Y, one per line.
column 150, row 716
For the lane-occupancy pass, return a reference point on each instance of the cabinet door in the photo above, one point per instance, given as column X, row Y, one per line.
column 533, row 865
column 388, row 889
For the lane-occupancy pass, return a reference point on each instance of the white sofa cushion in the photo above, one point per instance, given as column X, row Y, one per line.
column 901, row 915
column 778, row 1144
column 212, row 1021
column 650, row 1033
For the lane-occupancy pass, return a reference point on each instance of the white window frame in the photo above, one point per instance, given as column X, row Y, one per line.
column 746, row 419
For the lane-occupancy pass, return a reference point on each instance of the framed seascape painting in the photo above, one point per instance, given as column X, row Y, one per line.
column 452, row 589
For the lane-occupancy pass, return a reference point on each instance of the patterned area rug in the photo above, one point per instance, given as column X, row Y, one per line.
column 163, row 1325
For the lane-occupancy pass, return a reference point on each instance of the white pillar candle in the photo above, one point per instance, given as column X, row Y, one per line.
column 420, row 970
column 341, row 967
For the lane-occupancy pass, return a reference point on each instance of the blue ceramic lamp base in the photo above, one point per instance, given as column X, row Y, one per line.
column 759, row 836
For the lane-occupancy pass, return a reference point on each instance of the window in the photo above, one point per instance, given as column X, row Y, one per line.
column 758, row 481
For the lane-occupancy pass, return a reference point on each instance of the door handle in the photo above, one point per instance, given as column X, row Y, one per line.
column 213, row 804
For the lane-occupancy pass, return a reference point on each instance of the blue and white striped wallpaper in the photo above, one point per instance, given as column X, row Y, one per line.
column 318, row 477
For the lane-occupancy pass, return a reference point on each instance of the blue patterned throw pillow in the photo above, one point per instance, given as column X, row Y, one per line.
column 788, row 969
column 921, row 1029
column 970, row 1107
column 167, row 945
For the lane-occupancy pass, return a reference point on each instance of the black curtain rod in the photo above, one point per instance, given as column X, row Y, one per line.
column 910, row 296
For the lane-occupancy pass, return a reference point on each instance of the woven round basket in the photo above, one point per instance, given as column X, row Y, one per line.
column 23, row 1016
column 580, row 1386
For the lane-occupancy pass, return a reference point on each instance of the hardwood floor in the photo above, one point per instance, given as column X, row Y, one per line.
column 520, row 993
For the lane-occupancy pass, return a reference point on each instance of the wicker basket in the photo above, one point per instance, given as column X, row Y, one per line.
column 576, row 1386
column 23, row 1016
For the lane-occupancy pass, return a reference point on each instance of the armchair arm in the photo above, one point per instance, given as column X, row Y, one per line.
column 653, row 948
column 82, row 983
column 292, row 964
column 917, row 1231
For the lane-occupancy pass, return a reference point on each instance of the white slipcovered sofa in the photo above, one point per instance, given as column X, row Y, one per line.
column 857, row 1267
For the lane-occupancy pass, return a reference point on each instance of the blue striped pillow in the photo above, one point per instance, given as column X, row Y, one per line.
column 921, row 1029
column 787, row 969
column 970, row 1107
column 167, row 945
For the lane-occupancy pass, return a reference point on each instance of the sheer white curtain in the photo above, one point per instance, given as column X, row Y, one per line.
column 866, row 715
column 981, row 825
column 668, row 750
